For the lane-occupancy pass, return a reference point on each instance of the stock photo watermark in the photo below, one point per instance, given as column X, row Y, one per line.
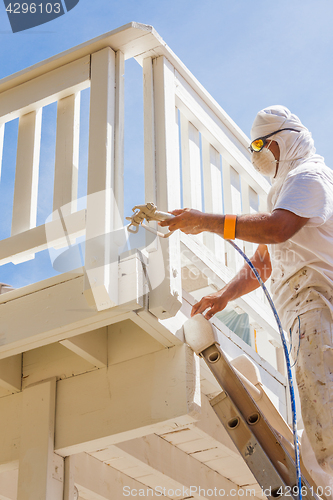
column 215, row 492
column 27, row 14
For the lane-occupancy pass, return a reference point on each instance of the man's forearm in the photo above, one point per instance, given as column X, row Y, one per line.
column 255, row 228
column 263, row 228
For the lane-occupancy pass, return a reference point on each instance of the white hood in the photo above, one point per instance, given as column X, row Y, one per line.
column 295, row 147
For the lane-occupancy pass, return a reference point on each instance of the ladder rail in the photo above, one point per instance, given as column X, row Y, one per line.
column 258, row 443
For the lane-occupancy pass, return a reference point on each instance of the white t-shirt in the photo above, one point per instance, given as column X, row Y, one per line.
column 302, row 276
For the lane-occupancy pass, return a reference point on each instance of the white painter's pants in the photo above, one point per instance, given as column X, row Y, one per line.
column 312, row 341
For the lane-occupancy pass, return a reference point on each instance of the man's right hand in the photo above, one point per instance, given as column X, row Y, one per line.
column 213, row 303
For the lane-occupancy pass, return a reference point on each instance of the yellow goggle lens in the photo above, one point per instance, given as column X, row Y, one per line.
column 257, row 145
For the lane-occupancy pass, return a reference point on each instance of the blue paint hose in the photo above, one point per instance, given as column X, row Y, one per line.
column 286, row 353
column 154, row 215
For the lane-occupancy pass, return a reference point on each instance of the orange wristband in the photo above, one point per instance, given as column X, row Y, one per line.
column 229, row 231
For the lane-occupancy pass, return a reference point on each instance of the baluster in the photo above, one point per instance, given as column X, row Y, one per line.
column 212, row 178
column 262, row 203
column 67, row 153
column 190, row 144
column 27, row 170
column 246, row 209
column 228, row 209
column 191, row 167
column 236, row 208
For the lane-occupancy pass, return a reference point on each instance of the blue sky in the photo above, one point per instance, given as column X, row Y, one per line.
column 247, row 54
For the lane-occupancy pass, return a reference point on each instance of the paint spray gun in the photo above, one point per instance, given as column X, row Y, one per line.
column 149, row 213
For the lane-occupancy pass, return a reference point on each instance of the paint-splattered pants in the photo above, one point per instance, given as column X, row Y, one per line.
column 312, row 340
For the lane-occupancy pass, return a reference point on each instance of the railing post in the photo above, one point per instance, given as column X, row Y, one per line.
column 162, row 178
column 119, row 140
column 101, row 259
column 36, row 470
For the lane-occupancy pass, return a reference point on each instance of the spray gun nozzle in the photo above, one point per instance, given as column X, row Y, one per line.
column 149, row 213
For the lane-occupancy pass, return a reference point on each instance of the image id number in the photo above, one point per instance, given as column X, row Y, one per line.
column 293, row 491
column 33, row 8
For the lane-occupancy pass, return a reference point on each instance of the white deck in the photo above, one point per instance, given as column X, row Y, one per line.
column 97, row 389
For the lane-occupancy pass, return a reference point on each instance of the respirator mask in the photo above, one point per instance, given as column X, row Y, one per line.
column 264, row 162
column 262, row 158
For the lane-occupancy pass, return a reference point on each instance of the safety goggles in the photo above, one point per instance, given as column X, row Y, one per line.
column 258, row 144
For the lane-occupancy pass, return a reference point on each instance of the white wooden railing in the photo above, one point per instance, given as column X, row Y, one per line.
column 102, row 71
column 195, row 156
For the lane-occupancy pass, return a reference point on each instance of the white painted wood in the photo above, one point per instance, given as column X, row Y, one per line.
column 262, row 203
column 67, row 152
column 250, row 204
column 55, row 312
column 165, row 293
column 213, row 195
column 232, row 205
column 162, row 397
column 91, row 346
column 226, row 185
column 231, row 146
column 131, row 35
column 149, row 142
column 96, row 480
column 48, row 87
column 58, row 310
column 191, row 169
column 156, row 329
column 247, row 207
column 101, row 262
column 149, row 135
column 69, row 478
column 133, row 40
column 57, row 481
column 235, row 191
column 53, row 360
column 181, row 468
column 236, row 209
column 119, row 139
column 2, row 134
column 133, row 286
column 11, row 373
column 36, row 443
column 167, row 160
column 10, row 411
column 8, row 485
column 228, row 209
column 56, row 233
column 126, row 333
column 27, row 168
